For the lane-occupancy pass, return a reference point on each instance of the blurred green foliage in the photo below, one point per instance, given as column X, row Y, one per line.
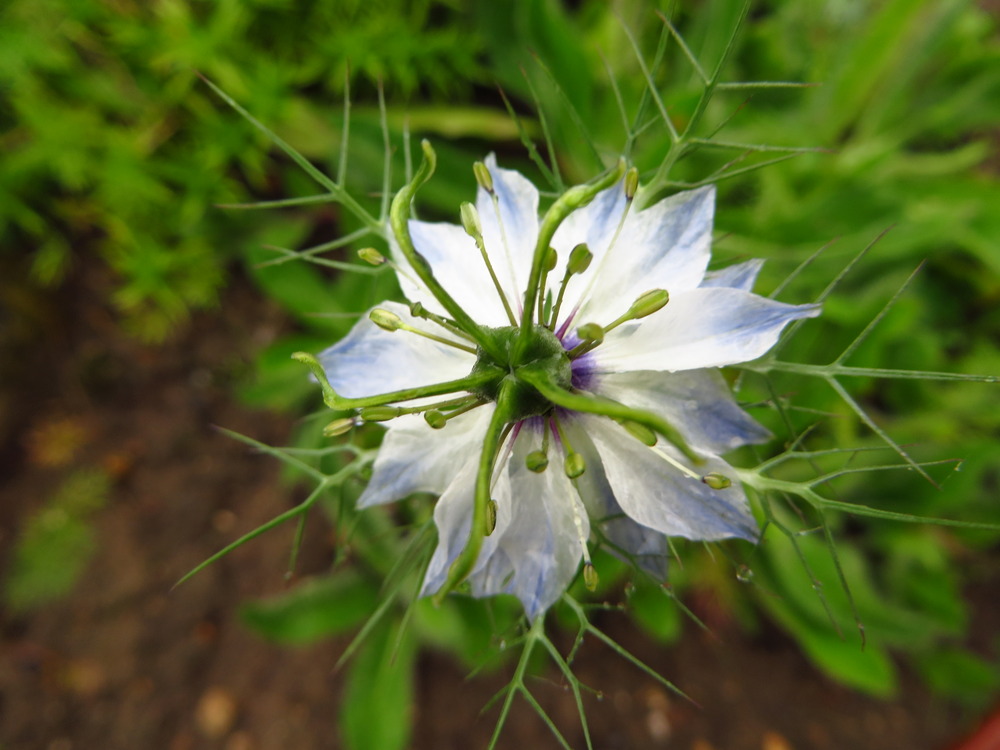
column 113, row 147
column 55, row 545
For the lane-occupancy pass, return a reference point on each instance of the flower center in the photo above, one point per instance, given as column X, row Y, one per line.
column 543, row 353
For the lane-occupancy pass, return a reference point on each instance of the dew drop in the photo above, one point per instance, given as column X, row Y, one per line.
column 600, row 695
column 744, row 574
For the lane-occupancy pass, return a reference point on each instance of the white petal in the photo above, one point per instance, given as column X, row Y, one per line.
column 453, row 518
column 657, row 495
column 539, row 552
column 630, row 541
column 457, row 265
column 666, row 246
column 709, row 327
column 416, row 458
column 696, row 402
column 535, row 549
column 738, row 276
column 510, row 240
column 369, row 360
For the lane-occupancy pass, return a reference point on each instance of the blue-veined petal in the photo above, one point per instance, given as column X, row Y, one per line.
column 697, row 402
column 628, row 539
column 370, row 361
column 457, row 265
column 709, row 327
column 738, row 276
column 655, row 494
column 665, row 246
column 416, row 458
column 535, row 549
column 453, row 518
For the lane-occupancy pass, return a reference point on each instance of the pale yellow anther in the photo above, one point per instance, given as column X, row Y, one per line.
column 387, row 321
column 371, row 255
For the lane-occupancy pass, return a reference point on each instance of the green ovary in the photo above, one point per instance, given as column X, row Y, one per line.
column 544, row 352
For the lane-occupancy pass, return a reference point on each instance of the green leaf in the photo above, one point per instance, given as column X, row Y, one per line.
column 868, row 669
column 961, row 675
column 377, row 711
column 313, row 610
column 55, row 545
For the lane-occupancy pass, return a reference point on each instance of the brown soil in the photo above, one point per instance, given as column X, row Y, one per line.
column 124, row 662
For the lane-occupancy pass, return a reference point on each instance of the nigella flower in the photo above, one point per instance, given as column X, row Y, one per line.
column 579, row 355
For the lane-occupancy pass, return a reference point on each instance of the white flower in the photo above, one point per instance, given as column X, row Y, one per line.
column 634, row 495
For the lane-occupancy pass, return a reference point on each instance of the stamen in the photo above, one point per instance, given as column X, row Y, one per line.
column 503, row 238
column 474, row 228
column 645, row 304
column 538, row 461
column 591, row 332
column 629, row 195
column 389, row 321
column 373, row 257
column 590, row 577
column 483, row 176
column 676, row 464
column 579, row 261
column 385, row 413
column 717, row 481
column 417, row 310
column 574, row 465
column 340, row 427
column 438, row 420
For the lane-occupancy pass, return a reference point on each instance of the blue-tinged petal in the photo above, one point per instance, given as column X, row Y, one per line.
column 629, row 540
column 535, row 550
column 696, row 402
column 458, row 266
column 539, row 552
column 666, row 246
column 453, row 518
column 654, row 493
column 709, row 327
column 416, row 458
column 738, row 276
column 370, row 361
column 510, row 238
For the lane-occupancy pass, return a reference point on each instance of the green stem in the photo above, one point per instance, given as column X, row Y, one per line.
column 567, row 203
column 546, row 385
column 466, row 560
column 763, row 484
column 399, row 217
column 834, row 369
column 335, row 401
